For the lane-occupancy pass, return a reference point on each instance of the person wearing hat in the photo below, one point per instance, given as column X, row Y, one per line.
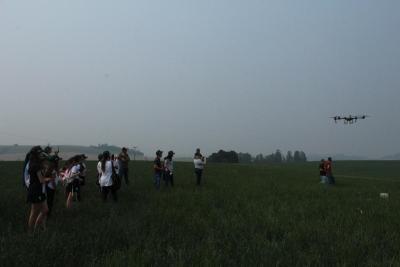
column 158, row 169
column 169, row 169
column 124, row 159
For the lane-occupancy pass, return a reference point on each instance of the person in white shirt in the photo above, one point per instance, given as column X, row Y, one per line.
column 72, row 181
column 100, row 158
column 169, row 169
column 199, row 163
column 105, row 181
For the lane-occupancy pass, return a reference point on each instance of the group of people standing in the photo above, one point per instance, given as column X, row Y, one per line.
column 110, row 170
column 41, row 175
column 326, row 173
column 165, row 169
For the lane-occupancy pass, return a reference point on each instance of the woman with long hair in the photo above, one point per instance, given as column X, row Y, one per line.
column 106, row 182
column 169, row 169
column 40, row 174
column 71, row 180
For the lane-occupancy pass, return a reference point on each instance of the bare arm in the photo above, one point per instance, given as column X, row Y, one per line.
column 44, row 179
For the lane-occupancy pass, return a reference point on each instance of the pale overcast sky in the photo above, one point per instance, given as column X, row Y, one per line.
column 252, row 76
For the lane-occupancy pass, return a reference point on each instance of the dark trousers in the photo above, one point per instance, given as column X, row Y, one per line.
column 105, row 190
column 168, row 178
column 50, row 199
column 199, row 175
column 331, row 179
column 124, row 173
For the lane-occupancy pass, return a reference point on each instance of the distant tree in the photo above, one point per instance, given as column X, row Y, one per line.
column 303, row 156
column 289, row 157
column 278, row 158
column 300, row 156
column 269, row 158
column 297, row 157
column 259, row 158
column 245, row 158
column 224, row 157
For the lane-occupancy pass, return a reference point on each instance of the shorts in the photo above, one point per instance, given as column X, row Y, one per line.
column 36, row 197
column 74, row 186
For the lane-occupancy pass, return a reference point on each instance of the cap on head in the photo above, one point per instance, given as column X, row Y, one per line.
column 171, row 153
column 159, row 153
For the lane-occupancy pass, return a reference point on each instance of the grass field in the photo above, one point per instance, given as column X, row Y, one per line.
column 249, row 215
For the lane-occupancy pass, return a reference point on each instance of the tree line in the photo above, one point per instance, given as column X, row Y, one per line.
column 276, row 157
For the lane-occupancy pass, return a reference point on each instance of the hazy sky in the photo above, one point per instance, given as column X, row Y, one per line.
column 252, row 76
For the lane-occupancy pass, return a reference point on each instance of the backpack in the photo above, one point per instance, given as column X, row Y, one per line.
column 116, row 179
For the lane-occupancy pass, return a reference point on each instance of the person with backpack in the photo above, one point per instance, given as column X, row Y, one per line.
column 199, row 163
column 158, row 169
column 124, row 159
column 106, row 178
column 169, row 169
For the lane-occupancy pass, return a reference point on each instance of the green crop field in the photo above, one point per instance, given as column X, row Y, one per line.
column 248, row 215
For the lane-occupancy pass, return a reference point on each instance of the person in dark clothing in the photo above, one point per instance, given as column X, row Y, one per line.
column 52, row 185
column 169, row 169
column 25, row 169
column 39, row 173
column 158, row 169
column 82, row 175
column 124, row 159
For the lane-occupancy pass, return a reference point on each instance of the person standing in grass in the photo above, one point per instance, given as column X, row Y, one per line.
column 100, row 158
column 37, row 190
column 158, row 169
column 169, row 169
column 51, row 186
column 199, row 163
column 322, row 172
column 329, row 172
column 72, row 181
column 106, row 182
column 124, row 165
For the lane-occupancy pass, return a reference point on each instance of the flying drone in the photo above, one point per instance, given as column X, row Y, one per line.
column 350, row 119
